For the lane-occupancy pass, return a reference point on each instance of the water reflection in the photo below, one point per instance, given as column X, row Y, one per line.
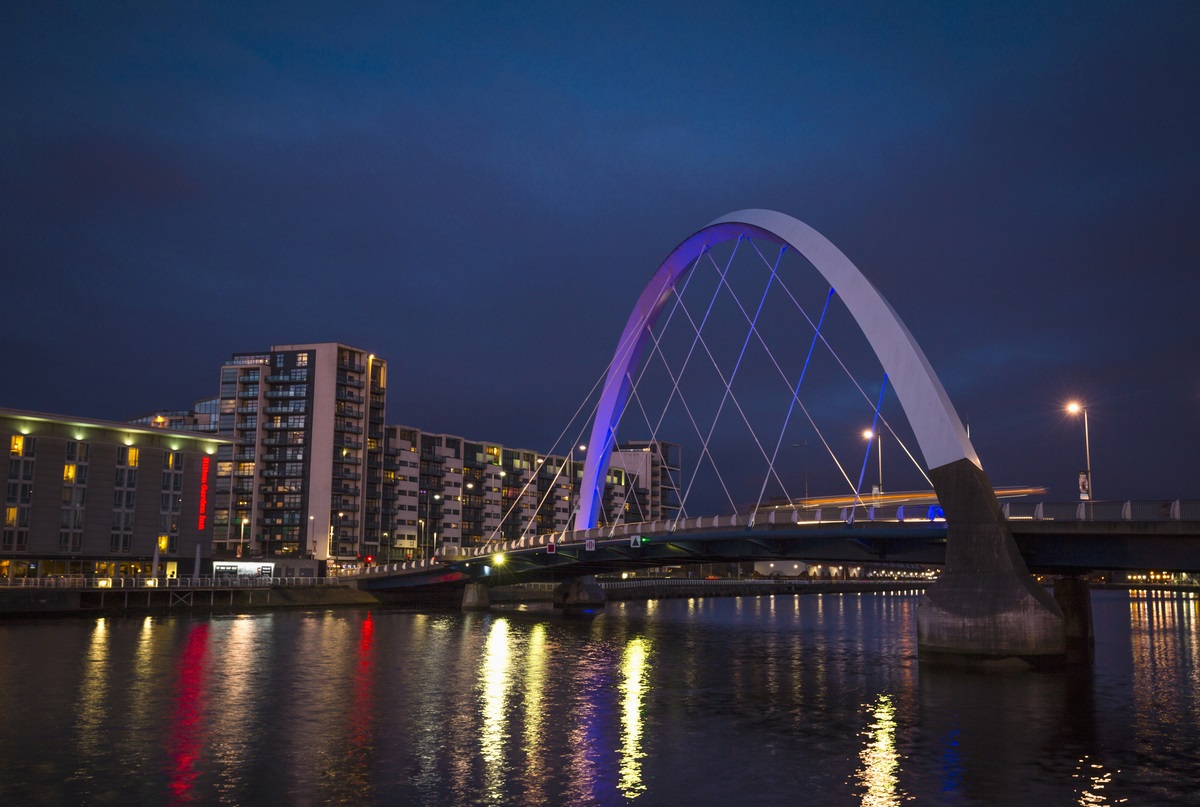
column 92, row 704
column 494, row 683
column 186, row 738
column 880, row 762
column 635, row 671
column 753, row 702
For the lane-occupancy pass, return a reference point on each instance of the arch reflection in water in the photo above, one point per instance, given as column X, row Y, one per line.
column 635, row 670
column 880, row 762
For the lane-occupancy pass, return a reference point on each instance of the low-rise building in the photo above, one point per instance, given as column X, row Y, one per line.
column 94, row 497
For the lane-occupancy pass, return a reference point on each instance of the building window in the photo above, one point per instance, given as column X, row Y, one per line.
column 17, row 445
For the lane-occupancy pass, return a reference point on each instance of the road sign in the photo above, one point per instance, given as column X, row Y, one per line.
column 590, row 544
column 550, row 548
column 635, row 540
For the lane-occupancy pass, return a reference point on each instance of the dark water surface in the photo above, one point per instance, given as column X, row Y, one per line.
column 814, row 699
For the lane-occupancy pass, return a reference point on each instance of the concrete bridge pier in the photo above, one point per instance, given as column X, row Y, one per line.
column 475, row 597
column 579, row 594
column 1074, row 597
column 985, row 607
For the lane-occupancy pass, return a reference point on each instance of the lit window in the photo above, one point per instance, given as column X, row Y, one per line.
column 162, row 543
column 18, row 445
column 133, row 457
column 69, row 472
column 10, row 516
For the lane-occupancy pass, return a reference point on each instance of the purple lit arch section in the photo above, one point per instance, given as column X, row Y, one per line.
column 938, row 429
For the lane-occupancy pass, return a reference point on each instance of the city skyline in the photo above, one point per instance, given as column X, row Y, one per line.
column 479, row 193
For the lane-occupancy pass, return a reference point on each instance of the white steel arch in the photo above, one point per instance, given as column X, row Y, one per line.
column 938, row 429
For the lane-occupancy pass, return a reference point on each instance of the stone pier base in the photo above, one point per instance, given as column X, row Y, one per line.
column 983, row 618
column 579, row 594
column 475, row 597
column 985, row 607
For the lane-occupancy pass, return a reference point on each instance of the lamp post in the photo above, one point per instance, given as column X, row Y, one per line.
column 312, row 542
column 869, row 434
column 242, row 537
column 428, row 519
column 573, row 507
column 1086, row 491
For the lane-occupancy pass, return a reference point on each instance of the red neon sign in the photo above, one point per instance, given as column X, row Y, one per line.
column 203, row 493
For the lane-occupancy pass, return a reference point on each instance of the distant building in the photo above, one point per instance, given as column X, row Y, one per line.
column 655, row 467
column 451, row 491
column 93, row 497
column 202, row 417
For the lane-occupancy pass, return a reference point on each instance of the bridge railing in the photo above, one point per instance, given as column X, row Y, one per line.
column 203, row 581
column 1162, row 510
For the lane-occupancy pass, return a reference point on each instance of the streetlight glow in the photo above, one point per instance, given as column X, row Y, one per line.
column 1074, row 408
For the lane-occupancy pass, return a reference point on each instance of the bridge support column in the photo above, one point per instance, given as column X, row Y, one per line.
column 475, row 597
column 579, row 594
column 1074, row 597
column 985, row 607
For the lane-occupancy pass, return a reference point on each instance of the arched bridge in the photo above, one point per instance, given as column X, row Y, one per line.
column 985, row 605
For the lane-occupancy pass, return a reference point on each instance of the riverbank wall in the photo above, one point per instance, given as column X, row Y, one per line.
column 17, row 602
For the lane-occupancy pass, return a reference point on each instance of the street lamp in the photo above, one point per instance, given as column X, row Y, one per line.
column 868, row 434
column 573, row 507
column 1085, row 484
column 242, row 537
column 312, row 539
column 427, row 523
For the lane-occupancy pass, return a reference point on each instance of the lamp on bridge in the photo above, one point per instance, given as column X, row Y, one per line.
column 868, row 434
column 1085, row 479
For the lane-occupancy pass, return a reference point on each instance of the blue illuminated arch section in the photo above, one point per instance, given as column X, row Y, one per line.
column 938, row 429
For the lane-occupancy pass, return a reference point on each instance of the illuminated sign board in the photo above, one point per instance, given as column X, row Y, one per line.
column 204, row 463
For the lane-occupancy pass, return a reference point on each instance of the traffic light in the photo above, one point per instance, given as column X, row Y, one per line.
column 370, row 559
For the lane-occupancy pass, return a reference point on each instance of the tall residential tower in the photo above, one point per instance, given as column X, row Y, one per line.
column 305, row 476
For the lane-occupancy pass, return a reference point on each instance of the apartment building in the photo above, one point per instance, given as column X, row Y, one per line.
column 304, row 475
column 453, row 492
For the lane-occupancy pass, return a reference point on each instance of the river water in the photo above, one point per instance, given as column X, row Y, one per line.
column 814, row 699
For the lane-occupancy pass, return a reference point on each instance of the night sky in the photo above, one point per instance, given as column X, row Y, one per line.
column 479, row 192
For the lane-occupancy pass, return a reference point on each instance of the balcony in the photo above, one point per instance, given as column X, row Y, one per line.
column 288, row 392
column 350, row 382
column 347, row 427
column 343, row 473
column 346, row 443
column 248, row 410
column 283, row 441
column 351, row 366
column 275, row 473
column 348, row 412
column 282, row 410
column 248, row 393
column 347, row 460
column 346, row 395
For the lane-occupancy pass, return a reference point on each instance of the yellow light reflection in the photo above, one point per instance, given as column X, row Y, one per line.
column 536, row 660
column 93, row 695
column 494, row 682
column 635, row 669
column 880, row 762
column 1094, row 779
